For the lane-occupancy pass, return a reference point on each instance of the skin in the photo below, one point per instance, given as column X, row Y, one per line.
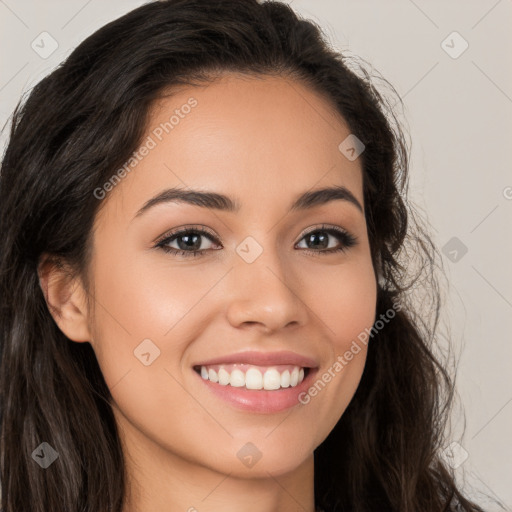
column 263, row 141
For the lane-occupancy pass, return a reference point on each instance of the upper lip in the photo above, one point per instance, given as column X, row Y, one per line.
column 262, row 359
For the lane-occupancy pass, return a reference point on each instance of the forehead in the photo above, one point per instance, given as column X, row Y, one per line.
column 262, row 140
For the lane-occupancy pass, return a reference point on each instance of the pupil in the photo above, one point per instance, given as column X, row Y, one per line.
column 324, row 238
column 194, row 245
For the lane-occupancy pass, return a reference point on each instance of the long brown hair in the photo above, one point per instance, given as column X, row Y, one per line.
column 80, row 124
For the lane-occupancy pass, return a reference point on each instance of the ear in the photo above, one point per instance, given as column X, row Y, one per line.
column 65, row 298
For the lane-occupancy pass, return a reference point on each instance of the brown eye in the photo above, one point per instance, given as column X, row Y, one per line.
column 318, row 240
column 189, row 242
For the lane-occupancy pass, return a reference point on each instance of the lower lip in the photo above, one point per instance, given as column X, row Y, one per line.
column 260, row 400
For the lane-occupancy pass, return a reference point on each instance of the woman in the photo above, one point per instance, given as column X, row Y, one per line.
column 203, row 304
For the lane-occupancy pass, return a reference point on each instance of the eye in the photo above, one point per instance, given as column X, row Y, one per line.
column 189, row 241
column 319, row 238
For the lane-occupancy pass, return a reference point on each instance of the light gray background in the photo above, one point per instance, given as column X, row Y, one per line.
column 459, row 118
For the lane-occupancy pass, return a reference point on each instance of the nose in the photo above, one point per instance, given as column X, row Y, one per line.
column 265, row 295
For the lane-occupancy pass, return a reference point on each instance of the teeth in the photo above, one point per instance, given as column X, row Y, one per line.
column 285, row 379
column 271, row 379
column 237, row 379
column 294, row 377
column 223, row 377
column 254, row 378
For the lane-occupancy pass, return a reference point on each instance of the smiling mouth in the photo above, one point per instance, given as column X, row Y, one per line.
column 247, row 376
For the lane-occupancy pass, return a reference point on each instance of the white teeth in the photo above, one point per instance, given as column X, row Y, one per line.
column 223, row 377
column 285, row 379
column 253, row 378
column 294, row 377
column 237, row 379
column 272, row 379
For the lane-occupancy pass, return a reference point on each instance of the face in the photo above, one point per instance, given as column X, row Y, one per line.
column 275, row 284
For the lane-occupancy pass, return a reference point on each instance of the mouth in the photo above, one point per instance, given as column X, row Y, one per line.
column 256, row 389
column 252, row 377
column 258, row 382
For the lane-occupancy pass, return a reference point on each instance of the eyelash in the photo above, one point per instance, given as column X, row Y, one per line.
column 347, row 240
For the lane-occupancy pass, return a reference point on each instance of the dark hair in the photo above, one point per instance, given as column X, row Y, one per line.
column 81, row 123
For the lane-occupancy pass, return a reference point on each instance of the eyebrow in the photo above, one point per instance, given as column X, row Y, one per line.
column 220, row 202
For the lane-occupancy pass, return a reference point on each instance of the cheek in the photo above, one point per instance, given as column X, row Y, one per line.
column 344, row 298
column 145, row 297
column 345, row 303
column 149, row 313
column 144, row 318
